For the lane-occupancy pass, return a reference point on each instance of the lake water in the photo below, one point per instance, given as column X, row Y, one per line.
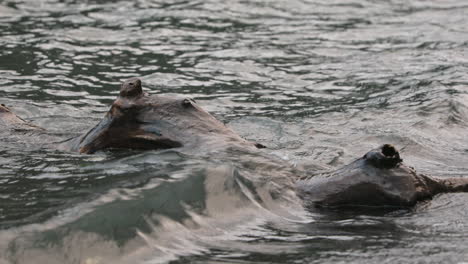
column 318, row 82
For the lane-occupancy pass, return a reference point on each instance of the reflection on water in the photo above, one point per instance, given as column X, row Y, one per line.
column 319, row 83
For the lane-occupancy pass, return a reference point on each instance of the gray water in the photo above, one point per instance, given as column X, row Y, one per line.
column 318, row 82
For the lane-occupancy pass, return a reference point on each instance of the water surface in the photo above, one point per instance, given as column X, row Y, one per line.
column 318, row 82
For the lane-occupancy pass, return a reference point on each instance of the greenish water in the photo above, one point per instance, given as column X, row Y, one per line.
column 317, row 82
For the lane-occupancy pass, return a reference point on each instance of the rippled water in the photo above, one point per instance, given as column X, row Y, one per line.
column 318, row 82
